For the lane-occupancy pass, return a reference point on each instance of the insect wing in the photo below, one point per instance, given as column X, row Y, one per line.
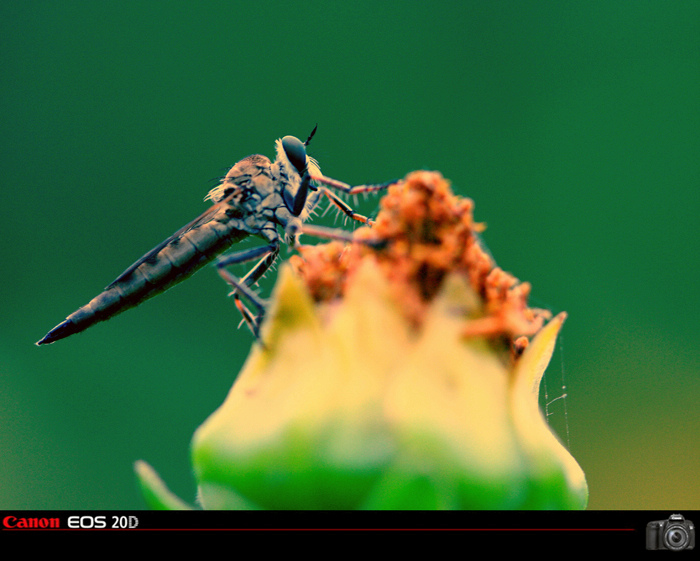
column 201, row 219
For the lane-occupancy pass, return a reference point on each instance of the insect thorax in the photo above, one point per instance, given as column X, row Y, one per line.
column 252, row 193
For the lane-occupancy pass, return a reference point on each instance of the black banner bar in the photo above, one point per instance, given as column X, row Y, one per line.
column 607, row 530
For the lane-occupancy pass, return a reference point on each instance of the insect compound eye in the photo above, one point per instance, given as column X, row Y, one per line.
column 296, row 152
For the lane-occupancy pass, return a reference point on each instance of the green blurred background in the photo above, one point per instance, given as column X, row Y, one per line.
column 573, row 125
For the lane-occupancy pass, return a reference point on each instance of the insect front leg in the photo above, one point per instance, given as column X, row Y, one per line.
column 345, row 207
column 242, row 286
column 350, row 189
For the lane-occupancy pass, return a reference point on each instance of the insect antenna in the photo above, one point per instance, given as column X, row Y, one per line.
column 313, row 132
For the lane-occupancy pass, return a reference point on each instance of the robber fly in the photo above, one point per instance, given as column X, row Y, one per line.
column 257, row 197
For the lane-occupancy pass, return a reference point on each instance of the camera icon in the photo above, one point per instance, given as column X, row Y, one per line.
column 675, row 534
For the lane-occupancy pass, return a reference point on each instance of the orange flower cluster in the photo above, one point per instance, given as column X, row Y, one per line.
column 429, row 232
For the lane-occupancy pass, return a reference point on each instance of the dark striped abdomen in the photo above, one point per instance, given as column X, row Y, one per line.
column 167, row 265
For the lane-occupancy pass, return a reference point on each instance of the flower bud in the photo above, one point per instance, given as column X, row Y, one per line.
column 400, row 377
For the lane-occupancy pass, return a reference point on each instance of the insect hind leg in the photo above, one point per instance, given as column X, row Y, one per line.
column 241, row 287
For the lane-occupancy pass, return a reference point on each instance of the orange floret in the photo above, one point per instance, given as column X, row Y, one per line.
column 430, row 233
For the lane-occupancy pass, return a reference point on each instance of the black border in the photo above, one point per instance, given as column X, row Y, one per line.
column 623, row 531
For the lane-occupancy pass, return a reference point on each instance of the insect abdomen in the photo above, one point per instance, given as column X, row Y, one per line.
column 177, row 260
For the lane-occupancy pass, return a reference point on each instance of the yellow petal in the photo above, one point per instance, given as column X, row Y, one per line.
column 303, row 422
column 550, row 463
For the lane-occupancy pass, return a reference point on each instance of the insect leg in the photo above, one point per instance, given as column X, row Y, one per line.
column 345, row 207
column 340, row 235
column 352, row 190
column 245, row 255
column 242, row 286
column 349, row 190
